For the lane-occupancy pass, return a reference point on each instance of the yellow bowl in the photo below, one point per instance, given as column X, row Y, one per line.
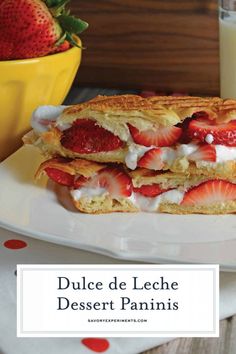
column 27, row 84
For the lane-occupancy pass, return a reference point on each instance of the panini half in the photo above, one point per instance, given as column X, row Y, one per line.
column 103, row 188
column 190, row 135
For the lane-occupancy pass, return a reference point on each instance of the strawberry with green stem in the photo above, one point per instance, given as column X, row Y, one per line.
column 35, row 28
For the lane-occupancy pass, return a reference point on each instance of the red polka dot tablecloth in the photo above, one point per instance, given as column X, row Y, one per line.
column 15, row 249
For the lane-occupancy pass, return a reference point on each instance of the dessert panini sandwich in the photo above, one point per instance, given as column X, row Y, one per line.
column 128, row 153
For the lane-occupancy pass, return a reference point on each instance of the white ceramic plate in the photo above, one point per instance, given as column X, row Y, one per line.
column 33, row 209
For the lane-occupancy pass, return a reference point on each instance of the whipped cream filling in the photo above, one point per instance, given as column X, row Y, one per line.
column 141, row 202
column 184, row 150
column 88, row 192
column 223, row 154
column 43, row 116
column 169, row 155
column 135, row 152
column 151, row 204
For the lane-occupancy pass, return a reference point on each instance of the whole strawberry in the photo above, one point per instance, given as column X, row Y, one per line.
column 35, row 28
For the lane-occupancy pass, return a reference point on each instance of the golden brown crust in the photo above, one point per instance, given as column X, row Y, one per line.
column 104, row 205
column 183, row 106
column 135, row 102
column 100, row 205
column 165, row 179
column 225, row 170
column 114, row 112
column 169, row 179
column 73, row 167
column 228, row 207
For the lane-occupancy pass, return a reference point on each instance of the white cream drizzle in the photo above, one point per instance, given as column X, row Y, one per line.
column 43, row 116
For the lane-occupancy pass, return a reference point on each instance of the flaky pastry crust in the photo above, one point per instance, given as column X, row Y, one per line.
column 107, row 204
column 115, row 112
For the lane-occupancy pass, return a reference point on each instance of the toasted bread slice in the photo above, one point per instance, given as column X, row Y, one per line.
column 140, row 176
column 73, row 167
column 114, row 113
column 169, row 182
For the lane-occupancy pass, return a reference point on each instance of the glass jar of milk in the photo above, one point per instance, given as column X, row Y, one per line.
column 227, row 24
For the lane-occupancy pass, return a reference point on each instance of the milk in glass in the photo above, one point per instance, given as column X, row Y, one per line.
column 227, row 26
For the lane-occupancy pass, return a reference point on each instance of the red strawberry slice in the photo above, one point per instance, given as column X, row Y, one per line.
column 224, row 134
column 204, row 153
column 60, row 177
column 158, row 137
column 210, row 192
column 152, row 160
column 151, row 190
column 86, row 137
column 113, row 179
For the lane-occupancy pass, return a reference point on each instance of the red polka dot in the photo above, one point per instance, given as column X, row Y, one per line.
column 15, row 244
column 98, row 345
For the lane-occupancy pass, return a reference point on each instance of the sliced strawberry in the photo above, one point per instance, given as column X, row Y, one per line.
column 151, row 190
column 86, row 137
column 224, row 134
column 158, row 137
column 210, row 192
column 152, row 160
column 114, row 179
column 204, row 153
column 60, row 177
